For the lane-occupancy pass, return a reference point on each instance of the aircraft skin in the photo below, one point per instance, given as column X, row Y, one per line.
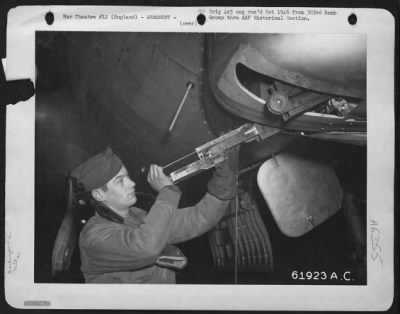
column 123, row 89
column 297, row 65
column 131, row 84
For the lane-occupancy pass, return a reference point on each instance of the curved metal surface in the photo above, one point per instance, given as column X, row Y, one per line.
column 285, row 182
column 132, row 85
column 329, row 64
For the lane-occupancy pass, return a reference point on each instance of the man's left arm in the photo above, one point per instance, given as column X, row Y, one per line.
column 191, row 222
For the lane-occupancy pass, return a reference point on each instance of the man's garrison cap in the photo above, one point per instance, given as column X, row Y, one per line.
column 98, row 170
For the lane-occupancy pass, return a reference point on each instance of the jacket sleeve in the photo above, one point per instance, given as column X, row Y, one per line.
column 121, row 247
column 191, row 222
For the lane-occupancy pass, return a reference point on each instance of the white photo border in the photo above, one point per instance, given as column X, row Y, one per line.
column 22, row 292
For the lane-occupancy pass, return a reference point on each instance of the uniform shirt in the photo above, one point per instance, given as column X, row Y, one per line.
column 126, row 252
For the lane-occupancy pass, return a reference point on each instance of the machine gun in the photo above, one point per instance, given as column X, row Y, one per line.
column 212, row 153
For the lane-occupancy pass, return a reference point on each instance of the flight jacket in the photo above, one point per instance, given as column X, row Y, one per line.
column 126, row 251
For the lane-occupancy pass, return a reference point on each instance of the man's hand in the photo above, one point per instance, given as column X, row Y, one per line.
column 223, row 184
column 157, row 178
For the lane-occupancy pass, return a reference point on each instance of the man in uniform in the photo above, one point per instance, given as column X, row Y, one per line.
column 124, row 244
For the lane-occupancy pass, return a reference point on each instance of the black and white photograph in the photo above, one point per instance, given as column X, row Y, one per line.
column 201, row 159
column 279, row 119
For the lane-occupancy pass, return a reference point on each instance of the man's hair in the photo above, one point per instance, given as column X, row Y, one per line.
column 92, row 201
column 85, row 196
column 104, row 187
column 87, row 202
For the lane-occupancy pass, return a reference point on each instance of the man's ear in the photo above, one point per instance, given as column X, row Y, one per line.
column 98, row 194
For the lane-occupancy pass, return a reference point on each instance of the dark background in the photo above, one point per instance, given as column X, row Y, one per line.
column 390, row 5
column 61, row 118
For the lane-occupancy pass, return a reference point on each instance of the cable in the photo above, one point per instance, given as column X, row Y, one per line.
column 236, row 233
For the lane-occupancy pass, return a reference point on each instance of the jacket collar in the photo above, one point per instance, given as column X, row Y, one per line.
column 108, row 213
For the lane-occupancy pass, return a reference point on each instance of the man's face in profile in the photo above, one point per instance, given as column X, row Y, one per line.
column 119, row 192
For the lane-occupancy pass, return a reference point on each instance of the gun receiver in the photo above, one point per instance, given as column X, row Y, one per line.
column 213, row 152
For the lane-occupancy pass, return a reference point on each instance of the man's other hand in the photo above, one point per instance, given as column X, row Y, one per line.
column 223, row 183
column 157, row 178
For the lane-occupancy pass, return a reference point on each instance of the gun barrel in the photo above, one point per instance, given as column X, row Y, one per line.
column 212, row 153
column 242, row 134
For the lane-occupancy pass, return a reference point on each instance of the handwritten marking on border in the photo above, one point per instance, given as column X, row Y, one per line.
column 12, row 257
column 375, row 238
